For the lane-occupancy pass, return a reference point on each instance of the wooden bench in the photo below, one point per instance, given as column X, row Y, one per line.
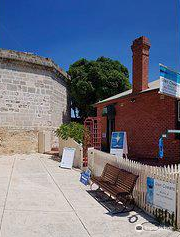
column 119, row 184
column 109, row 175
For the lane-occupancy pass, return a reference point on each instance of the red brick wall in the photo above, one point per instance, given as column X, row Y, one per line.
column 144, row 121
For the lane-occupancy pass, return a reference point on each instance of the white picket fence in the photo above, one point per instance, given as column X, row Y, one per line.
column 98, row 159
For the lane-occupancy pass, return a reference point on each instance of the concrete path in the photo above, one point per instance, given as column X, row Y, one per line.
column 38, row 199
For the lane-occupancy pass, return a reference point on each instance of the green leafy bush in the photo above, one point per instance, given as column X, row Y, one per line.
column 71, row 130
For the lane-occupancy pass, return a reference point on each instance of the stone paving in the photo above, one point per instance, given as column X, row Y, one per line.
column 39, row 199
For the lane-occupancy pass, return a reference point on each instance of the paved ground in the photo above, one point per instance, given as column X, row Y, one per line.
column 38, row 199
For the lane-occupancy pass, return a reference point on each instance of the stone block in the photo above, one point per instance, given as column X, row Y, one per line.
column 11, row 87
column 31, row 90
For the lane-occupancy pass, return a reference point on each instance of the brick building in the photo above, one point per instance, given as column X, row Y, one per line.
column 33, row 98
column 142, row 112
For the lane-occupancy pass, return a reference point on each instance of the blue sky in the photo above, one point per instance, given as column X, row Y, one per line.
column 67, row 30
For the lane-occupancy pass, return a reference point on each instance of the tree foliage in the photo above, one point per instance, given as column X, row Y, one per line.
column 92, row 81
column 71, row 130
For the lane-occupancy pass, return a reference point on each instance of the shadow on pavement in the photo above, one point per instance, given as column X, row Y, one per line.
column 109, row 204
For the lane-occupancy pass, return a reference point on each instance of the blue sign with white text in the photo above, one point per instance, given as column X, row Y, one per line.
column 117, row 140
column 169, row 82
column 150, row 190
column 85, row 177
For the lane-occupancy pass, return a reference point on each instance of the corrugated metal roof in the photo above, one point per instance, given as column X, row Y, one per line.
column 152, row 86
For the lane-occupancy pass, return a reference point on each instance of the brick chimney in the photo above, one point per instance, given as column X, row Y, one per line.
column 140, row 49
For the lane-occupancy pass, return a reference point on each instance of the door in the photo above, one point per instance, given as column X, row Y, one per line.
column 110, row 129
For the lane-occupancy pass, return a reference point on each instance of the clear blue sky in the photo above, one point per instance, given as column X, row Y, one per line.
column 66, row 30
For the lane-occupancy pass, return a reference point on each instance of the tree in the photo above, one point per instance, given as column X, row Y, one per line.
column 92, row 81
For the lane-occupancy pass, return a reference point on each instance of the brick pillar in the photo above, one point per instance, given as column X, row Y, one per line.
column 140, row 49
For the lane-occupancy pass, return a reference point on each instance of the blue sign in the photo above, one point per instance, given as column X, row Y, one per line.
column 161, row 148
column 85, row 177
column 169, row 82
column 161, row 194
column 169, row 74
column 117, row 140
column 150, row 190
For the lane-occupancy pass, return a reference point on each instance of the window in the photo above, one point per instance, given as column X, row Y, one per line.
column 104, row 111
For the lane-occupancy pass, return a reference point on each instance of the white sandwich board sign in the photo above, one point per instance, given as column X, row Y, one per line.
column 67, row 158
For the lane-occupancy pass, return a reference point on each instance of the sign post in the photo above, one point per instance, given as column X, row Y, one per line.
column 119, row 144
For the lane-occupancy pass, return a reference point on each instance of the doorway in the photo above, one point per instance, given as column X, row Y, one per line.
column 110, row 129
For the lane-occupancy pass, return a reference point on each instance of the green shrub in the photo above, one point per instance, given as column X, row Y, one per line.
column 71, row 130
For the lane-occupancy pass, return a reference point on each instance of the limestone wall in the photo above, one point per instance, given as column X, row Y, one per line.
column 18, row 141
column 33, row 97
